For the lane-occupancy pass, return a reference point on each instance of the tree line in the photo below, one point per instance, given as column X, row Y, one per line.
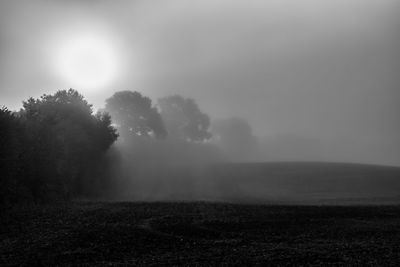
column 55, row 147
column 52, row 147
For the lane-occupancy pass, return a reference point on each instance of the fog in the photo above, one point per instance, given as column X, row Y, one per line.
column 271, row 81
column 199, row 132
column 321, row 73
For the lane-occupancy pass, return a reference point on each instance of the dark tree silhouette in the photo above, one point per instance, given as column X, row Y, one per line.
column 184, row 120
column 134, row 115
column 65, row 141
column 11, row 136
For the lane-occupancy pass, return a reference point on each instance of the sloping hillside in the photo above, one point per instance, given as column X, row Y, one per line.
column 283, row 182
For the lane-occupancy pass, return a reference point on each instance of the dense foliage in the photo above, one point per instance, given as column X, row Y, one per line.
column 56, row 147
column 184, row 119
column 135, row 116
column 52, row 147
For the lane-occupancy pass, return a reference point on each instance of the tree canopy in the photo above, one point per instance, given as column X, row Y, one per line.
column 52, row 144
column 183, row 118
column 135, row 116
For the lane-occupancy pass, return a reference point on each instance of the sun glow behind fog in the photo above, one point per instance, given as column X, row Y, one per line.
column 87, row 62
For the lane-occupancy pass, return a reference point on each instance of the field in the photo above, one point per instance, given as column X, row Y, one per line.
column 200, row 233
column 281, row 214
column 292, row 183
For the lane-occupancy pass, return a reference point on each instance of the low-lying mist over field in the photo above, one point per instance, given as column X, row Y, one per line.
column 205, row 177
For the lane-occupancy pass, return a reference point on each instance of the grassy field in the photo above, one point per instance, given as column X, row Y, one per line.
column 309, row 183
column 293, row 183
column 199, row 233
column 285, row 214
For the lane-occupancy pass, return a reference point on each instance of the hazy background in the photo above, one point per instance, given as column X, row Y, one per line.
column 316, row 80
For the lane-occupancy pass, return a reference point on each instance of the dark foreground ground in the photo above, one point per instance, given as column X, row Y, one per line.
column 199, row 233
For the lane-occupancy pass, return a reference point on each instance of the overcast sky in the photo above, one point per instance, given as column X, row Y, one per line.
column 319, row 70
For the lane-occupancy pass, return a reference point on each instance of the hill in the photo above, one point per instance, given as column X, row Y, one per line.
column 279, row 183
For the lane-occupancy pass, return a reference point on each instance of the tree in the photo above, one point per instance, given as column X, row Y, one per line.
column 134, row 115
column 184, row 120
column 65, row 141
column 11, row 135
column 235, row 138
column 52, row 148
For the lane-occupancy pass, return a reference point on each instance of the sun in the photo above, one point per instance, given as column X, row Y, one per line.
column 87, row 62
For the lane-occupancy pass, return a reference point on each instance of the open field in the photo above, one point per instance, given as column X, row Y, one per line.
column 293, row 183
column 199, row 233
column 285, row 214
column 310, row 183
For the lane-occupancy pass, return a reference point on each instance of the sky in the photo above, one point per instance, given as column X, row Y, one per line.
column 316, row 79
